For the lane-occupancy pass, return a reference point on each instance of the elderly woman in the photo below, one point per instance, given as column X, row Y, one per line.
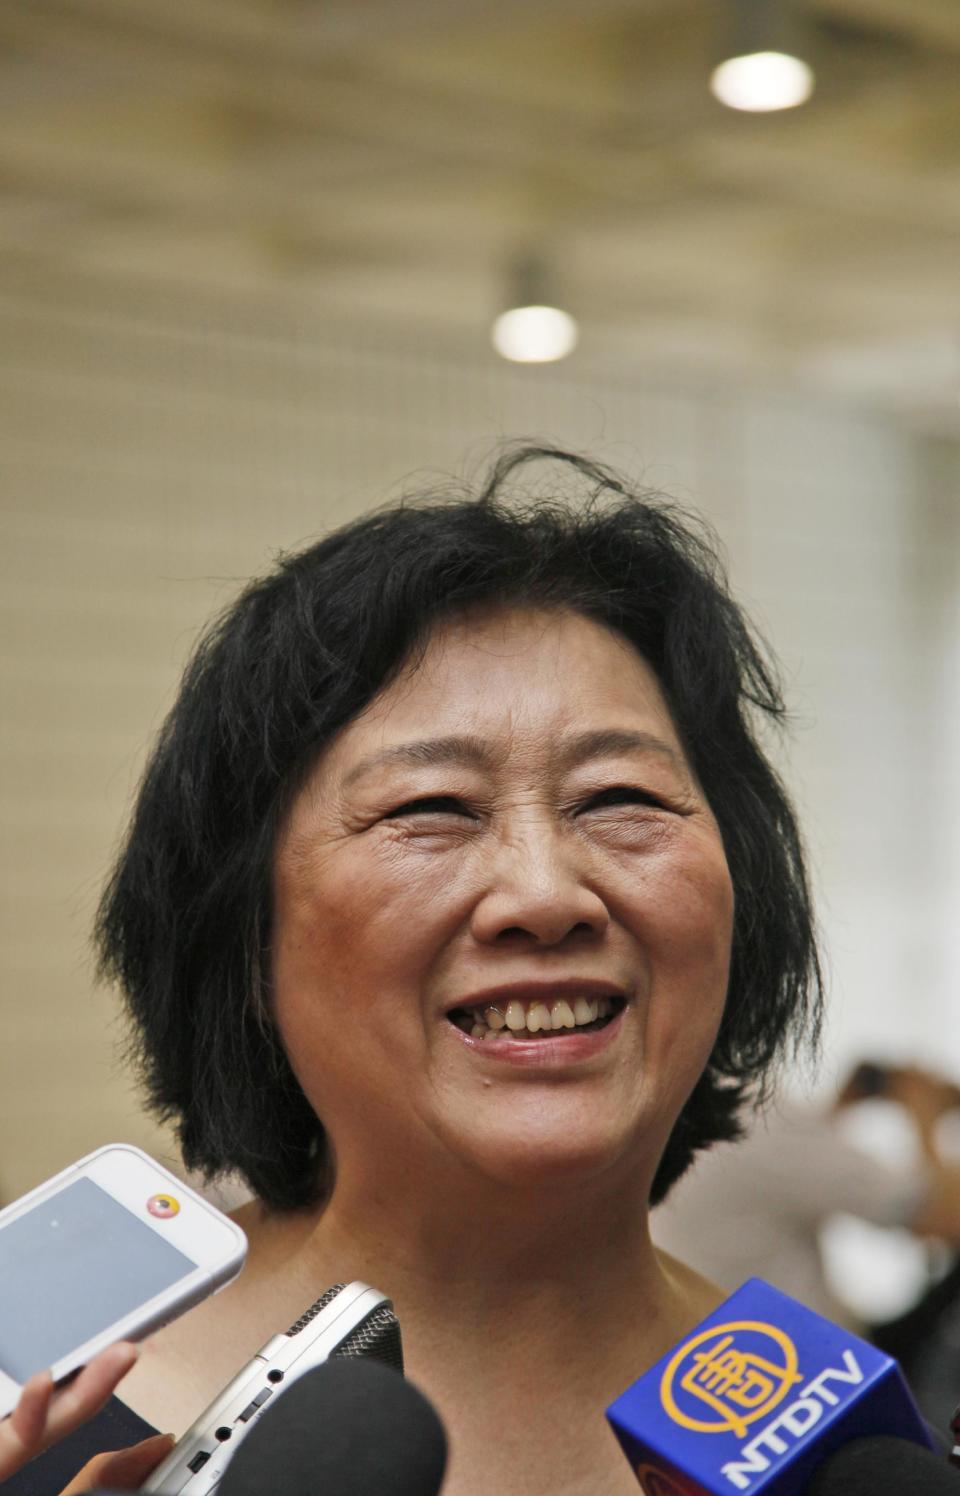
column 460, row 907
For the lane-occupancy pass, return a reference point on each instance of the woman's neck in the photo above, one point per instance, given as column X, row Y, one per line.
column 521, row 1311
column 492, row 1244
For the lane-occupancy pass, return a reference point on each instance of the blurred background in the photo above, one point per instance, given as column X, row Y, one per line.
column 253, row 254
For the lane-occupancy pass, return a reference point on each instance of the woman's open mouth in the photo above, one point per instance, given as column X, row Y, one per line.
column 536, row 1019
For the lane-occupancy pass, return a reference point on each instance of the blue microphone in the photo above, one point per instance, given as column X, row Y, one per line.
column 756, row 1398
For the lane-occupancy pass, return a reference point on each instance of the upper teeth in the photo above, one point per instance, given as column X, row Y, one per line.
column 516, row 1016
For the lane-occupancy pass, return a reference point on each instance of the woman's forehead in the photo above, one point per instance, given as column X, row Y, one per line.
column 517, row 677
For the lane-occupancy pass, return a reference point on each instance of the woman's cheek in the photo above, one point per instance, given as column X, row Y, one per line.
column 695, row 932
column 440, row 867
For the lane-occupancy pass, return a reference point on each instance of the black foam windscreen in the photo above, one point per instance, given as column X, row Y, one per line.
column 347, row 1428
column 882, row 1466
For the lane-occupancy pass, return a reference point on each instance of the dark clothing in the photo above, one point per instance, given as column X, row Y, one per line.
column 115, row 1427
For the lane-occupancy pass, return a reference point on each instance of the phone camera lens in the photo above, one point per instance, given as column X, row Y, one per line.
column 163, row 1207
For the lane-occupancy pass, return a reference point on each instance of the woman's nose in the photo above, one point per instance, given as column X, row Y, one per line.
column 538, row 891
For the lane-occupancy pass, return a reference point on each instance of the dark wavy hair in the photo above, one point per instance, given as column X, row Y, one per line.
column 185, row 921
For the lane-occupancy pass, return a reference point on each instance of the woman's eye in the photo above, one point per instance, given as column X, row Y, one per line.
column 622, row 794
column 429, row 804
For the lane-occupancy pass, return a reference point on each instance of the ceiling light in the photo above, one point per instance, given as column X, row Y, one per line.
column 534, row 334
column 762, row 81
column 761, row 66
column 533, row 329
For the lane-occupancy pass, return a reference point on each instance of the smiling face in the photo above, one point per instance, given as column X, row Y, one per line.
column 509, row 834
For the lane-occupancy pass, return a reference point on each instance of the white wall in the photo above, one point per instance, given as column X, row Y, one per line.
column 155, row 457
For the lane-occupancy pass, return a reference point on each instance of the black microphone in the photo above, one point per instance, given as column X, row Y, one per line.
column 347, row 1428
column 884, row 1466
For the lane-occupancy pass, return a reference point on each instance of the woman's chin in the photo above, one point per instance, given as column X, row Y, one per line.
column 544, row 1156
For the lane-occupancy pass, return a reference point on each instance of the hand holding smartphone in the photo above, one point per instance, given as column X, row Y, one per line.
column 46, row 1414
column 110, row 1249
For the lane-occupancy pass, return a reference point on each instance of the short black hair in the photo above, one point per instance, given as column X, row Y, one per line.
column 185, row 921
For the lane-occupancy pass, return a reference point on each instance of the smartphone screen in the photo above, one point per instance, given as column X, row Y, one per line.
column 69, row 1269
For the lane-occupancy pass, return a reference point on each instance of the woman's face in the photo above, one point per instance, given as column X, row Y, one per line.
column 502, row 911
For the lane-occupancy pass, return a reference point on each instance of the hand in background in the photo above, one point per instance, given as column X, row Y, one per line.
column 45, row 1414
column 926, row 1097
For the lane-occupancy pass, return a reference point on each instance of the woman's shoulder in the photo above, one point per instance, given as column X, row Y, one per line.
column 184, row 1365
column 694, row 1295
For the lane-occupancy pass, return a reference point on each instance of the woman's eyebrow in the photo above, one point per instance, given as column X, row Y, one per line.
column 449, row 750
column 461, row 749
column 611, row 740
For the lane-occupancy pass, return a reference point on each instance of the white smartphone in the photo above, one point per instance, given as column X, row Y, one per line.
column 109, row 1249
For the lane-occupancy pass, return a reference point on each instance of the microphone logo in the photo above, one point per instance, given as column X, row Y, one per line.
column 729, row 1376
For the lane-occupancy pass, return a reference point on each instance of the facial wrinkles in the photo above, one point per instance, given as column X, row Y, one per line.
column 521, row 837
column 530, row 836
column 528, row 778
column 531, row 771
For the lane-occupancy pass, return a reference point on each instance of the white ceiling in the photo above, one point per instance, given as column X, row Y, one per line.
column 393, row 158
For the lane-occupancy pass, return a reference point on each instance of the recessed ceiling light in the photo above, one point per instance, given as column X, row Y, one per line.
column 534, row 334
column 762, row 82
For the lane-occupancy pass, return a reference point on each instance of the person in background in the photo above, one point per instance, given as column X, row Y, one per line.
column 757, row 1210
